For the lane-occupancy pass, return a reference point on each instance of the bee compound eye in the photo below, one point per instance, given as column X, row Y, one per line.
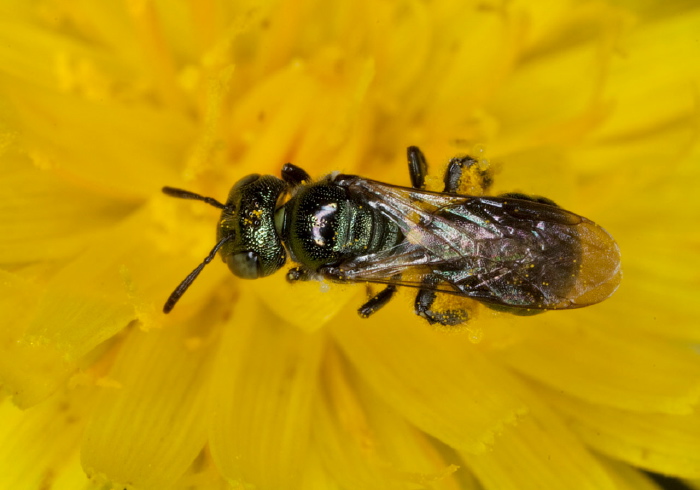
column 245, row 265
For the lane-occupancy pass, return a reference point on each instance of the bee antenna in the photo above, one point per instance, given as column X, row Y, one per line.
column 182, row 287
column 183, row 194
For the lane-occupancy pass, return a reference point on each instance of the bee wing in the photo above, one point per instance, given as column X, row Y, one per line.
column 505, row 251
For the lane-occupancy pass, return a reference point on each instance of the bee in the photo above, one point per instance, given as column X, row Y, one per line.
column 514, row 252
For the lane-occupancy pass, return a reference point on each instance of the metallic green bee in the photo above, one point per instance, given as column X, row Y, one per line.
column 514, row 252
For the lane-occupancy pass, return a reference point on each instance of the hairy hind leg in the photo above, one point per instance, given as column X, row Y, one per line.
column 424, row 307
column 463, row 174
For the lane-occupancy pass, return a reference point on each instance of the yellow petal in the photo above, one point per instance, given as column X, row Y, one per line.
column 441, row 383
column 98, row 148
column 263, row 386
column 43, row 217
column 648, row 67
column 157, row 384
column 538, row 452
column 658, row 442
column 536, row 107
column 74, row 316
column 588, row 354
column 627, row 477
column 72, row 476
column 307, row 305
column 29, row 373
column 660, row 282
column 653, row 123
column 365, row 444
column 270, row 130
column 461, row 85
column 38, row 442
column 334, row 141
column 202, row 474
column 316, row 474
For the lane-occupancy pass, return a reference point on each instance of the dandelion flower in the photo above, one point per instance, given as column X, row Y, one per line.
column 269, row 385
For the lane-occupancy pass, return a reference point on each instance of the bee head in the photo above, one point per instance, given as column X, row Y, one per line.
column 253, row 247
column 246, row 237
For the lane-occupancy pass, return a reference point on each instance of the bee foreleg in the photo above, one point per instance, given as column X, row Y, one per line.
column 423, row 306
column 294, row 175
column 417, row 167
column 298, row 274
column 377, row 301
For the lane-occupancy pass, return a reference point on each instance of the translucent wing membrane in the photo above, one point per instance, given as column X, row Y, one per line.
column 505, row 251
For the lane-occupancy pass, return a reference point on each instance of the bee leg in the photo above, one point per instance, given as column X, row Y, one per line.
column 526, row 197
column 476, row 181
column 377, row 301
column 423, row 306
column 417, row 167
column 294, row 175
column 298, row 274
